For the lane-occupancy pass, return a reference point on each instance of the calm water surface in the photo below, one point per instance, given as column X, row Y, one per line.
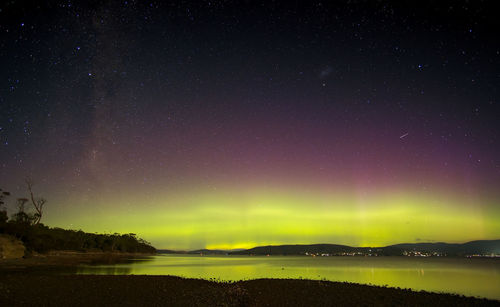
column 472, row 277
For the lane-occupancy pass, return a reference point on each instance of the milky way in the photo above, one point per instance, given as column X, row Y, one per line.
column 215, row 124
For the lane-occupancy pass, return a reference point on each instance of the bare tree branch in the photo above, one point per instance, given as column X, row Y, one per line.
column 37, row 203
column 20, row 203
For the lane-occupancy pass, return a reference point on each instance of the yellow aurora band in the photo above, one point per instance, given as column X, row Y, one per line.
column 212, row 219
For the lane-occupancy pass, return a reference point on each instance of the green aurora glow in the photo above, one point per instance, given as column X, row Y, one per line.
column 225, row 220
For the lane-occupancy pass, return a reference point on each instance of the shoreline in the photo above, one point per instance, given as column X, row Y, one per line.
column 38, row 289
column 65, row 259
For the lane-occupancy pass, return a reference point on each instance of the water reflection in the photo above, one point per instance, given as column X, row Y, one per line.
column 475, row 277
column 105, row 270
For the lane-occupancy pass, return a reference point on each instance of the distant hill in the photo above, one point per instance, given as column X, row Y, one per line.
column 199, row 251
column 482, row 247
column 300, row 249
column 209, row 251
column 169, row 251
column 470, row 248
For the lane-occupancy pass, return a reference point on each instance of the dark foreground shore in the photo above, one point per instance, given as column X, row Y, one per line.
column 39, row 289
column 50, row 280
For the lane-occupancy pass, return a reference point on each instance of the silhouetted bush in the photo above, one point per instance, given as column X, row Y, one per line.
column 40, row 238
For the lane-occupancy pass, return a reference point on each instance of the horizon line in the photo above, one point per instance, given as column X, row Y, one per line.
column 297, row 244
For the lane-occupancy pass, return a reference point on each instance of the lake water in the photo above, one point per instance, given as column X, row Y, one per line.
column 473, row 277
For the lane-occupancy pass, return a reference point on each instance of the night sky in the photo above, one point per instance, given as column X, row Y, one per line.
column 226, row 124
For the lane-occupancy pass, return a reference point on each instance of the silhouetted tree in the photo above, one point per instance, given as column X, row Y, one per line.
column 3, row 211
column 22, row 216
column 20, row 204
column 3, row 217
column 3, row 194
column 37, row 203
